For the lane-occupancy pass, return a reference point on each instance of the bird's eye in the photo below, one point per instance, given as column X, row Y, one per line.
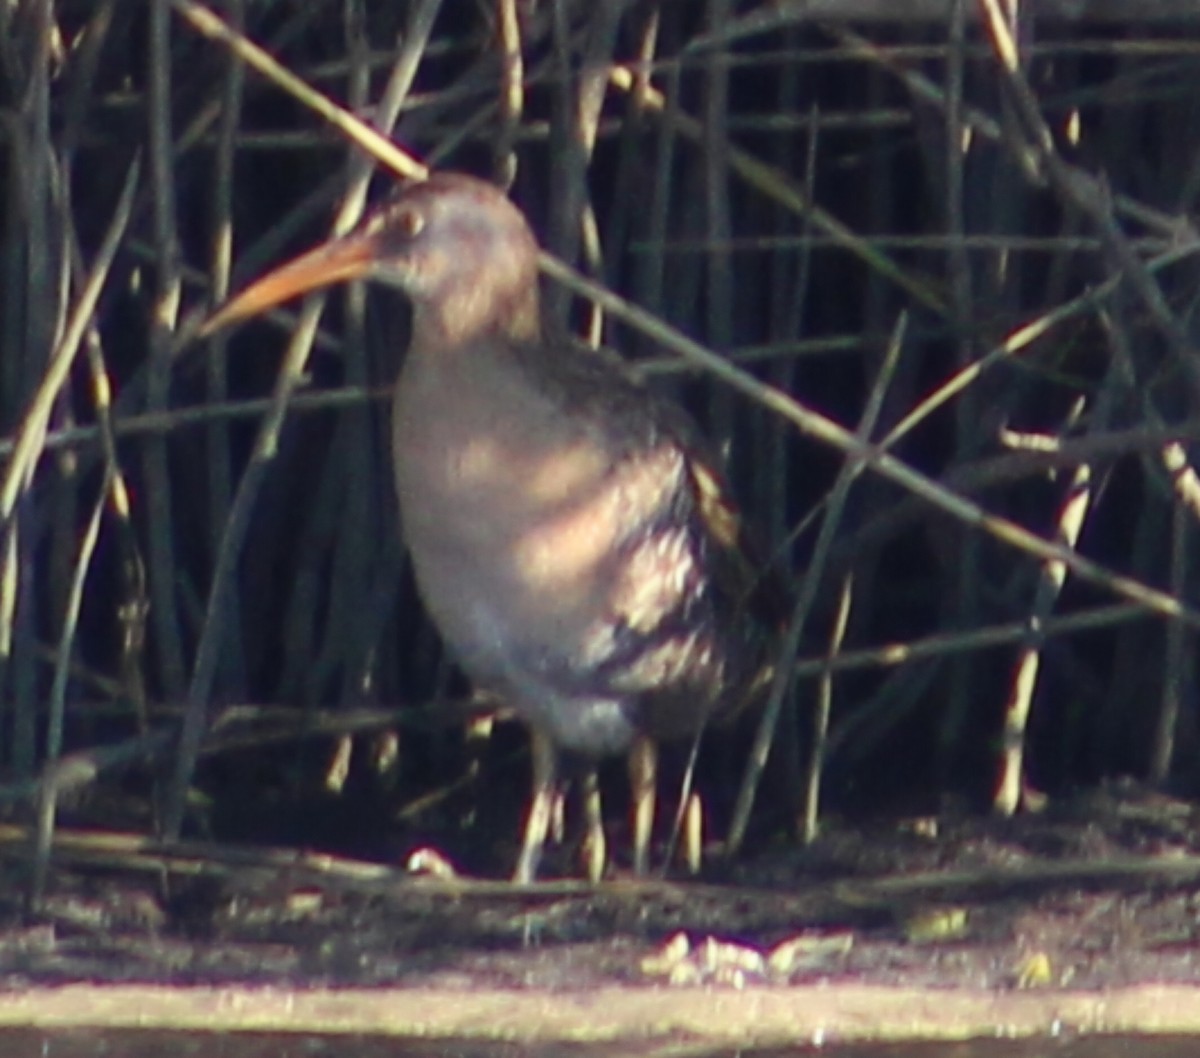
column 409, row 223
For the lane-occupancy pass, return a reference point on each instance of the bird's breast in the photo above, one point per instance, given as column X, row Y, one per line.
column 514, row 513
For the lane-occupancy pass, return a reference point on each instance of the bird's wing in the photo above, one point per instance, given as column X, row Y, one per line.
column 598, row 385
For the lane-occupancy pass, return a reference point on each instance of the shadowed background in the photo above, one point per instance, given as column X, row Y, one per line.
column 853, row 208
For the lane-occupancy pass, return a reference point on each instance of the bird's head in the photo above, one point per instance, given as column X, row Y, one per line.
column 456, row 246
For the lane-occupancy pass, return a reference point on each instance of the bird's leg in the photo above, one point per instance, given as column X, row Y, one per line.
column 541, row 806
column 558, row 815
column 594, row 846
column 643, row 782
column 693, row 833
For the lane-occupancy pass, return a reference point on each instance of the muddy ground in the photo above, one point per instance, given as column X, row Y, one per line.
column 1096, row 894
column 1100, row 891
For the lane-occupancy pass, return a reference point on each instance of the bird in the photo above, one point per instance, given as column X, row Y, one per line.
column 571, row 534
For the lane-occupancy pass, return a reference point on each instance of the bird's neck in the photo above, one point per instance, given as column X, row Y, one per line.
column 477, row 315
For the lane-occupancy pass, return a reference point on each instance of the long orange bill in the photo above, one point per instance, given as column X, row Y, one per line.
column 339, row 261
